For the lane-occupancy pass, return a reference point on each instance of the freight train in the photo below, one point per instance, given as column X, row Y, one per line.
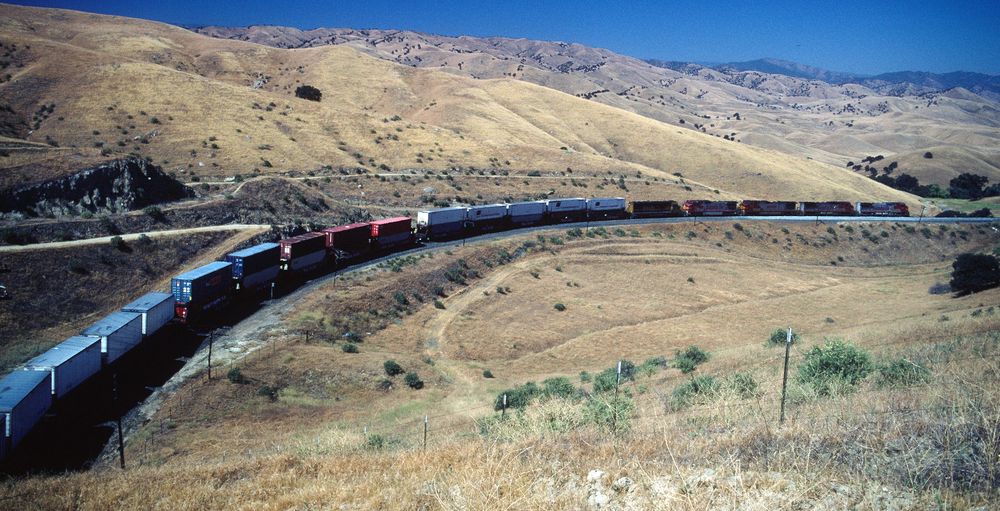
column 197, row 295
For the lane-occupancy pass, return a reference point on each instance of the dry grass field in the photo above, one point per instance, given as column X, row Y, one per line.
column 90, row 84
column 305, row 424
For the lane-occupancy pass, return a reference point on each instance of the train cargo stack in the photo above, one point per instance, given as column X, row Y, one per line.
column 202, row 289
column 882, row 209
column 566, row 210
column 487, row 218
column 608, row 208
column 444, row 223
column 348, row 242
column 119, row 332
column 255, row 268
column 304, row 252
column 392, row 233
column 829, row 208
column 710, row 208
column 25, row 396
column 70, row 363
column 526, row 213
column 157, row 309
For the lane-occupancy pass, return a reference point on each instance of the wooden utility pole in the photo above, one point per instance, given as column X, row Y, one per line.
column 211, row 340
column 118, row 420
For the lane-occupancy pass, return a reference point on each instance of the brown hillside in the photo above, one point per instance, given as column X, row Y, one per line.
column 187, row 101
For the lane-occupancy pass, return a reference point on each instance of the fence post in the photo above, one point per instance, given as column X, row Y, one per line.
column 211, row 340
column 784, row 377
column 503, row 409
column 425, row 433
column 614, row 404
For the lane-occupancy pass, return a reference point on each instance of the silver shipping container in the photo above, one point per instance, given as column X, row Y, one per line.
column 606, row 204
column 157, row 309
column 565, row 205
column 69, row 363
column 442, row 223
column 307, row 261
column 25, row 396
column 521, row 213
column 486, row 213
column 119, row 332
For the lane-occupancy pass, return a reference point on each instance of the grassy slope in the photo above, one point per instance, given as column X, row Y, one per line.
column 874, row 298
column 86, row 64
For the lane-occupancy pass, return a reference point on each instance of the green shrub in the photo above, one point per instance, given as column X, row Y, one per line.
column 375, row 442
column 413, row 380
column 780, row 336
column 744, row 385
column 689, row 359
column 271, row 392
column 699, row 387
column 517, row 397
column 559, row 386
column 607, row 379
column 487, row 373
column 559, row 307
column 610, row 413
column 438, row 304
column 902, row 373
column 349, row 347
column 235, row 376
column 834, row 365
column 392, row 368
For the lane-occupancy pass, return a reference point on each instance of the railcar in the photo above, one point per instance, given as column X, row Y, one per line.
column 768, row 208
column 654, row 209
column 882, row 209
column 392, row 233
column 255, row 268
column 303, row 253
column 487, row 218
column 202, row 289
column 607, row 208
column 345, row 243
column 441, row 224
column 559, row 211
column 710, row 208
column 828, row 208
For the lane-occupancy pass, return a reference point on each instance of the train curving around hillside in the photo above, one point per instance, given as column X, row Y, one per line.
column 196, row 296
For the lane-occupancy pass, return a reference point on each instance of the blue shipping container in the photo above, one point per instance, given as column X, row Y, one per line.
column 203, row 285
column 69, row 363
column 157, row 309
column 256, row 259
column 25, row 396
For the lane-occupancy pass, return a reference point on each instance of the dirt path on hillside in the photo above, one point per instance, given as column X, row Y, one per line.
column 134, row 236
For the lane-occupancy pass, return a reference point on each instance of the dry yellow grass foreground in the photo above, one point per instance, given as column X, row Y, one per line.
column 90, row 83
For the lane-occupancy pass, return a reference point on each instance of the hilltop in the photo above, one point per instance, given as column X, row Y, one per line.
column 87, row 87
column 768, row 103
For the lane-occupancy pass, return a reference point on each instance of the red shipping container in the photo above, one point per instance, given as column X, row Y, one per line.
column 303, row 244
column 348, row 237
column 391, row 226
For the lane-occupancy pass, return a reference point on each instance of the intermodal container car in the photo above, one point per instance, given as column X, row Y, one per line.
column 605, row 208
column 119, row 332
column 565, row 210
column 526, row 213
column 201, row 289
column 157, row 309
column 392, row 232
column 255, row 268
column 882, row 209
column 710, row 208
column 829, row 208
column 352, row 238
column 70, row 362
column 303, row 252
column 25, row 396
column 488, row 217
column 441, row 223
column 654, row 209
column 768, row 208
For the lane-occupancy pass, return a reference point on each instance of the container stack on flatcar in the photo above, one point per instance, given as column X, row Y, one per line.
column 70, row 363
column 440, row 224
column 348, row 242
column 606, row 208
column 156, row 310
column 303, row 253
column 119, row 332
column 486, row 218
column 202, row 289
column 566, row 210
column 392, row 233
column 255, row 268
column 520, row 214
column 25, row 396
column 882, row 209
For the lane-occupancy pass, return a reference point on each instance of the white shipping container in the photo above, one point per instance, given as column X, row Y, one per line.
column 526, row 212
column 565, row 205
column 25, row 396
column 605, row 204
column 157, row 309
column 119, row 332
column 441, row 216
column 488, row 212
column 69, row 363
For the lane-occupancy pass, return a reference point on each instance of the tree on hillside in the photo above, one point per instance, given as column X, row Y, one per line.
column 308, row 92
column 967, row 186
column 975, row 272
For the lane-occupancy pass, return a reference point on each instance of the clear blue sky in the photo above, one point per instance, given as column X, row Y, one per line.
column 847, row 35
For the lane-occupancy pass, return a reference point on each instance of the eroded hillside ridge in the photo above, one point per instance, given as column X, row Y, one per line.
column 120, row 185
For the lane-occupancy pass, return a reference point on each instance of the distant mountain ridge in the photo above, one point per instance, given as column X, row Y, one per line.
column 893, row 83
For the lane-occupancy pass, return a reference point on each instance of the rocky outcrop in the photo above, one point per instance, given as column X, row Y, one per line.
column 113, row 187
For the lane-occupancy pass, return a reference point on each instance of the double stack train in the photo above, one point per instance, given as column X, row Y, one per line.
column 27, row 394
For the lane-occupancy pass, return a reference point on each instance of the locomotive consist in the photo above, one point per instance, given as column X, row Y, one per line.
column 195, row 296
